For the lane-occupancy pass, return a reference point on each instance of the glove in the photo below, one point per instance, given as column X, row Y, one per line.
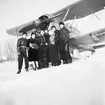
column 18, row 53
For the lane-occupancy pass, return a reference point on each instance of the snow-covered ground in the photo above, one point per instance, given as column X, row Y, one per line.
column 79, row 83
column 7, row 71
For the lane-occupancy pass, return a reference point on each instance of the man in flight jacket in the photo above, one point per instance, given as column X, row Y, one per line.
column 22, row 50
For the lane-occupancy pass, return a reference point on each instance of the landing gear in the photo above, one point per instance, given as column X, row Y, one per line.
column 92, row 52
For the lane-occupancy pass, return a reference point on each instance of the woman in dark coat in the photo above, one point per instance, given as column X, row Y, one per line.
column 33, row 48
column 53, row 49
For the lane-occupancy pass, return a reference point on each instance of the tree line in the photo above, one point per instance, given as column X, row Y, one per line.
column 8, row 51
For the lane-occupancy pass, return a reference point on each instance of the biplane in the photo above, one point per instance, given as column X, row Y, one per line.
column 80, row 9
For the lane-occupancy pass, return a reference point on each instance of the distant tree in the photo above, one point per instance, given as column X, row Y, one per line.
column 1, row 59
column 10, row 50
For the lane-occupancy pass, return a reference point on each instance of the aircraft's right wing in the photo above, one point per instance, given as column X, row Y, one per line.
column 80, row 9
column 89, row 42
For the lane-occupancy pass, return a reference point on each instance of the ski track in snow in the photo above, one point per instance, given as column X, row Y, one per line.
column 79, row 83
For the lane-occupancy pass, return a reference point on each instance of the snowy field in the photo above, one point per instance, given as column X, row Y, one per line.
column 79, row 83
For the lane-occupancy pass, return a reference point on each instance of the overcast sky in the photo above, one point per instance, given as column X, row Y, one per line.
column 17, row 12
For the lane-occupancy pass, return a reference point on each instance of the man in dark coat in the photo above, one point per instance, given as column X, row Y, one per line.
column 46, row 36
column 64, row 43
column 42, row 52
column 22, row 51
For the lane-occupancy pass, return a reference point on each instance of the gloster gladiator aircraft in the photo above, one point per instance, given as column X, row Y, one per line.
column 80, row 9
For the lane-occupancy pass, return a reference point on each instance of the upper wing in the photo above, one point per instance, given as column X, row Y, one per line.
column 80, row 9
column 77, row 10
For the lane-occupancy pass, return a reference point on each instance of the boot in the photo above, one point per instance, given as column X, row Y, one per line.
column 19, row 71
column 27, row 70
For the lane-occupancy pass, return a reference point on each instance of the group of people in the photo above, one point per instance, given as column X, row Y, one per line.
column 44, row 48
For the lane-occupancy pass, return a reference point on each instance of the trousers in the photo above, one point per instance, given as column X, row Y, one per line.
column 22, row 56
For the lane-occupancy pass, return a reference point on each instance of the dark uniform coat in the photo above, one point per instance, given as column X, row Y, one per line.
column 22, row 50
column 57, row 42
column 42, row 52
column 64, row 45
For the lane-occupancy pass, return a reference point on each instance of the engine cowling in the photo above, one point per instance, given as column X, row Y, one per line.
column 44, row 21
column 44, row 17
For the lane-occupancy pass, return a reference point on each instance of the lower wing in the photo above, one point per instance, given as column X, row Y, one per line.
column 91, row 47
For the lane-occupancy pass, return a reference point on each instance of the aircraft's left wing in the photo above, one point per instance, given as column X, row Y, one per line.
column 80, row 9
column 15, row 30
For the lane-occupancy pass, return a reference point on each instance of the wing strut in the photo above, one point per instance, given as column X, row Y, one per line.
column 74, row 19
column 96, row 16
column 66, row 14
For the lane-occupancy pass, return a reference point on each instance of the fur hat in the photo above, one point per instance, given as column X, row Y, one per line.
column 33, row 33
column 61, row 23
column 53, row 27
column 24, row 33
